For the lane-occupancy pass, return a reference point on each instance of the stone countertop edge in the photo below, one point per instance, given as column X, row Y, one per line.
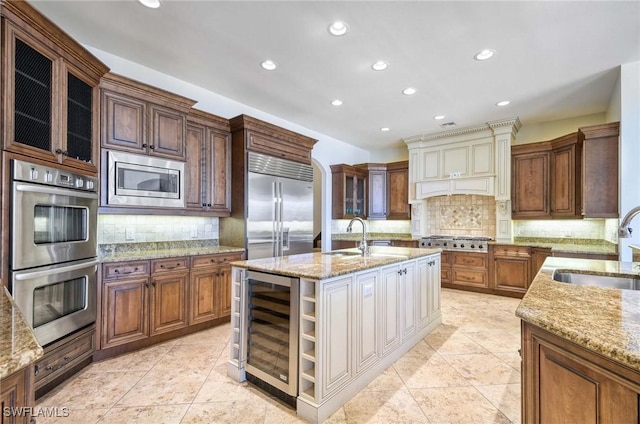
column 320, row 266
column 568, row 246
column 602, row 320
column 139, row 255
column 356, row 236
column 18, row 344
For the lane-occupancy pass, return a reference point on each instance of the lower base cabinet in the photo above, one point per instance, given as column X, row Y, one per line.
column 565, row 383
column 16, row 397
column 510, row 267
column 141, row 299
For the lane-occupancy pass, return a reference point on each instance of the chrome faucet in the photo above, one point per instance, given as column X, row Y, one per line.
column 624, row 230
column 363, row 243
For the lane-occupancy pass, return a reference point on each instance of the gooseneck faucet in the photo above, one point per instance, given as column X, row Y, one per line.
column 624, row 230
column 363, row 243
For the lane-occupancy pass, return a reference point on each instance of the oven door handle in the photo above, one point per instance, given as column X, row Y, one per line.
column 32, row 188
column 38, row 274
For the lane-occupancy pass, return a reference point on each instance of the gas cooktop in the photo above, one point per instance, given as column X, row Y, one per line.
column 464, row 243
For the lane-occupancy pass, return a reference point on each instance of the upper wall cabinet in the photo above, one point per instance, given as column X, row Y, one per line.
column 398, row 190
column 349, row 192
column 572, row 176
column 49, row 90
column 208, row 170
column 143, row 119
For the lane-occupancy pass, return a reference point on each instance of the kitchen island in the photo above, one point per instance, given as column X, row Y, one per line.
column 581, row 345
column 355, row 317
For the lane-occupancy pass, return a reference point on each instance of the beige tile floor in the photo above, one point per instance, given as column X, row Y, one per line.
column 466, row 371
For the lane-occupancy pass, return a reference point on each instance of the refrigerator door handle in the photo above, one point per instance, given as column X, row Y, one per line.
column 274, row 221
column 280, row 219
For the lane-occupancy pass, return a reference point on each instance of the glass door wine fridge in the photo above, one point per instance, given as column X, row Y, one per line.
column 272, row 330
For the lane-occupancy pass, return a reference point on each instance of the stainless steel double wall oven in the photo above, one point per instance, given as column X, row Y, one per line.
column 53, row 255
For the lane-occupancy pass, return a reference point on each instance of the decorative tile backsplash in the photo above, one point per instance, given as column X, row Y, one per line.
column 461, row 215
column 152, row 228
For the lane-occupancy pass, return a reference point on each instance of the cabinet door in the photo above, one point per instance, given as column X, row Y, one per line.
column 434, row 288
column 423, row 299
column 563, row 184
column 203, row 304
column 366, row 320
column 194, row 183
column 218, row 171
column 408, row 294
column 124, row 311
column 390, row 310
column 168, row 302
column 398, row 193
column 13, row 395
column 530, row 185
column 224, row 285
column 124, row 122
column 167, row 132
column 512, row 273
column 377, row 195
column 337, row 308
column 600, row 171
column 538, row 256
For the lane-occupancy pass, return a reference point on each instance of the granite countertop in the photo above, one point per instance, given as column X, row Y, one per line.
column 603, row 320
column 357, row 235
column 144, row 251
column 18, row 344
column 568, row 245
column 319, row 266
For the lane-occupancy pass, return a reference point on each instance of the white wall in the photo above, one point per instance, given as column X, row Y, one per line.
column 629, row 151
column 327, row 151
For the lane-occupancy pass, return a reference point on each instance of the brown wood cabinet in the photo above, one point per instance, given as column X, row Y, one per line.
column 208, row 170
column 64, row 358
column 446, row 259
column 142, row 119
column 572, row 176
column 530, row 181
column 469, row 270
column 510, row 268
column 349, row 192
column 398, row 190
column 565, row 383
column 50, row 94
column 538, row 256
column 376, row 182
column 210, row 287
column 586, row 255
column 137, row 303
column 16, row 396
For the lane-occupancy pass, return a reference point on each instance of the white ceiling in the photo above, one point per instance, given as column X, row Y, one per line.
column 554, row 60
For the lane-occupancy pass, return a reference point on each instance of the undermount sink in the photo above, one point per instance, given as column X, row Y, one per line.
column 608, row 281
column 342, row 253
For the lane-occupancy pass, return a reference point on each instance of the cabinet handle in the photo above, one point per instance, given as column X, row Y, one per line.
column 209, row 205
column 146, row 285
column 153, row 283
column 36, row 370
column 170, row 267
column 58, row 151
column 124, row 272
column 152, row 147
column 144, row 145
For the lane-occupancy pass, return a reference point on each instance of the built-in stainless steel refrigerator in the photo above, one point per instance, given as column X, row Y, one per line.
column 280, row 207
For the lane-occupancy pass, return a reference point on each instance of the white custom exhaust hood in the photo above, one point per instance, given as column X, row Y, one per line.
column 471, row 160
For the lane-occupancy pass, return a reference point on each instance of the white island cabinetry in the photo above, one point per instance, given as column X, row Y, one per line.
column 354, row 326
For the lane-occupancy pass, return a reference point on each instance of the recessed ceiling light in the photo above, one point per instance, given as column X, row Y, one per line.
column 503, row 103
column 484, row 54
column 336, row 102
column 269, row 65
column 438, row 117
column 384, row 129
column 338, row 28
column 380, row 65
column 409, row 91
column 153, row 4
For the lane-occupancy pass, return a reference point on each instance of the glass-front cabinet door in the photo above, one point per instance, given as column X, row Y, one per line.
column 349, row 192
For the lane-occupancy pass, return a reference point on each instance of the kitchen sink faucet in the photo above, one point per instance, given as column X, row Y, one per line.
column 624, row 230
column 363, row 243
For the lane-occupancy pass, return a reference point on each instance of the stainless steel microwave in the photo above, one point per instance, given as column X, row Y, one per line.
column 135, row 180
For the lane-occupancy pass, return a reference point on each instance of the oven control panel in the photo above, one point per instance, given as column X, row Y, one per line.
column 40, row 174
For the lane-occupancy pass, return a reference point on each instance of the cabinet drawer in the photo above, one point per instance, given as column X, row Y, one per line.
column 478, row 260
column 521, row 251
column 471, row 278
column 125, row 269
column 173, row 264
column 65, row 356
column 208, row 260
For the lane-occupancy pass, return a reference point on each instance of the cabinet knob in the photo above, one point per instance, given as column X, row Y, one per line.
column 152, row 147
column 144, row 145
column 209, row 204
